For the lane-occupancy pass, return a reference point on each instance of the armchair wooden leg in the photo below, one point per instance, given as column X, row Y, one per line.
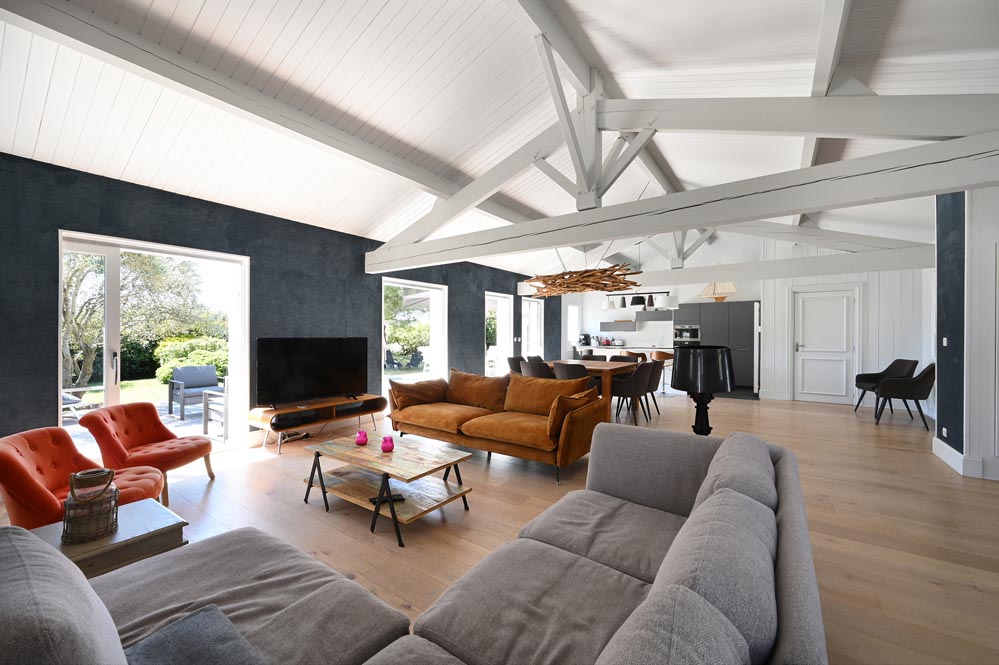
column 208, row 466
column 165, row 494
column 862, row 394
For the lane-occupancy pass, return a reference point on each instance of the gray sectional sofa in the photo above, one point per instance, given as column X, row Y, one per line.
column 681, row 549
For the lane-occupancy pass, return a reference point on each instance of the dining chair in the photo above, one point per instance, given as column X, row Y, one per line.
column 590, row 356
column 514, row 363
column 654, row 377
column 631, row 389
column 915, row 388
column 664, row 356
column 536, row 370
column 623, row 359
column 899, row 368
column 565, row 371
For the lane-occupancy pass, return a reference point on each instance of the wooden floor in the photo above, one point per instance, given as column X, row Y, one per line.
column 907, row 551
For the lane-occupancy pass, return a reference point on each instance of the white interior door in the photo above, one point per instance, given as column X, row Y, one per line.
column 823, row 346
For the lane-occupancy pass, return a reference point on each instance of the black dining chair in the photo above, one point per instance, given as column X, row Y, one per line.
column 915, row 388
column 572, row 371
column 536, row 370
column 654, row 378
column 898, row 369
column 623, row 359
column 631, row 388
column 535, row 359
column 514, row 363
column 590, row 356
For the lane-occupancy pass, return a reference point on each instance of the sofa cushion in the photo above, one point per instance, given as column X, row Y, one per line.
column 442, row 415
column 529, row 602
column 617, row 533
column 205, row 636
column 487, row 392
column 725, row 552
column 523, row 429
column 196, row 376
column 532, row 395
column 421, row 392
column 675, row 626
column 743, row 464
column 50, row 613
column 269, row 589
column 413, row 650
column 563, row 404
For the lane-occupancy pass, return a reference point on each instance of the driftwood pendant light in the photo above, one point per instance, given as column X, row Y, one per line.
column 609, row 279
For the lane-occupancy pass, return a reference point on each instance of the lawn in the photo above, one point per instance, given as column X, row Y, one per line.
column 141, row 390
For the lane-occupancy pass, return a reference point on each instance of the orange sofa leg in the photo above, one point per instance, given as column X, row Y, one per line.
column 208, row 466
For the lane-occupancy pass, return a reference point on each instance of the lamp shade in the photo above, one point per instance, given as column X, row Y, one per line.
column 718, row 291
column 637, row 301
column 671, row 302
column 609, row 303
column 702, row 369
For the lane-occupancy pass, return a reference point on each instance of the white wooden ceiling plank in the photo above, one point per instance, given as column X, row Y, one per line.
column 109, row 9
column 259, row 50
column 217, row 169
column 157, row 19
column 308, row 19
column 85, row 84
column 127, row 140
column 203, row 28
column 64, row 73
column 214, row 131
column 13, row 67
column 259, row 154
column 185, row 150
column 280, row 73
column 35, row 93
column 132, row 14
column 149, row 165
column 119, row 115
column 251, row 24
column 181, row 24
column 149, row 136
column 109, row 82
column 210, row 50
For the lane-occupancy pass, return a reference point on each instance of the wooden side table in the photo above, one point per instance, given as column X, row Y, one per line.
column 145, row 528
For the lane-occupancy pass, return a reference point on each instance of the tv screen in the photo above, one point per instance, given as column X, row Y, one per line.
column 300, row 369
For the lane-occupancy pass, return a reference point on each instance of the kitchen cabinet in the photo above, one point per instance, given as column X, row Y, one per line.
column 732, row 324
column 742, row 367
column 714, row 324
column 687, row 315
column 741, row 325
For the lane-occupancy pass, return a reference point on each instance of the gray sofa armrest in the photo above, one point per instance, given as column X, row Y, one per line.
column 176, row 387
column 652, row 468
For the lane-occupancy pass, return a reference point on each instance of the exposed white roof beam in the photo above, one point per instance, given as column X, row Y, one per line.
column 808, row 235
column 565, row 118
column 580, row 58
column 907, row 258
column 704, row 237
column 482, row 187
column 946, row 166
column 614, row 170
column 83, row 31
column 557, row 176
column 917, row 117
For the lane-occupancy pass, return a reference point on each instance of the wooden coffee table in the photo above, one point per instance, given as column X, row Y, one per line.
column 145, row 528
column 366, row 482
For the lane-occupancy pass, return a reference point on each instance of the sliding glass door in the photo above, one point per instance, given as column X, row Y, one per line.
column 414, row 331
column 533, row 327
column 499, row 332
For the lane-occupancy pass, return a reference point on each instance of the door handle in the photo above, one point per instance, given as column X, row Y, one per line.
column 114, row 365
column 798, row 347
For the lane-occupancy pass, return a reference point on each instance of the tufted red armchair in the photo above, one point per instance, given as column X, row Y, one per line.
column 132, row 434
column 34, row 476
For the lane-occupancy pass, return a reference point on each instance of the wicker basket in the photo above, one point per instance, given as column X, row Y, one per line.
column 91, row 509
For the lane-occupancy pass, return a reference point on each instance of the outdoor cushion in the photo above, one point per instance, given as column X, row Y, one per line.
column 532, row 395
column 675, row 626
column 196, row 376
column 413, row 650
column 617, row 533
column 441, row 415
column 486, row 392
column 725, row 552
column 50, row 613
column 529, row 602
column 291, row 608
column 563, row 404
column 197, row 392
column 421, row 392
column 524, row 429
column 743, row 464
column 205, row 636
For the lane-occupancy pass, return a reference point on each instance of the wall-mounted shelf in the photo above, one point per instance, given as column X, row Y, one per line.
column 618, row 326
column 654, row 315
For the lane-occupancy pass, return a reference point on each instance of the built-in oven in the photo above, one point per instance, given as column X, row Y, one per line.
column 686, row 334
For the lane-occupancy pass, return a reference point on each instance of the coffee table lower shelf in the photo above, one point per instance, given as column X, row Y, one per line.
column 357, row 486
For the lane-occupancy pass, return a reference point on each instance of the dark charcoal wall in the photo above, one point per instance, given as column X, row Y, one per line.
column 304, row 281
column 553, row 327
column 950, row 319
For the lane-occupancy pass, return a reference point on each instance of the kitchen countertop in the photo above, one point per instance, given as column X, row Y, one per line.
column 627, row 347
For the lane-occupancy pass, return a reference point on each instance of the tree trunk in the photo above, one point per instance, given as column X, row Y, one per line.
column 86, row 366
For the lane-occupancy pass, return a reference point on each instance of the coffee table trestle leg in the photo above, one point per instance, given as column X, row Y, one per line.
column 385, row 495
column 457, row 476
column 317, row 471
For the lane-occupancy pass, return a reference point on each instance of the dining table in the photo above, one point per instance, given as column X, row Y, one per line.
column 605, row 370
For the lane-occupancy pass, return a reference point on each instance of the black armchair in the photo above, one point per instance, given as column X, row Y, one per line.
column 573, row 371
column 898, row 369
column 632, row 388
column 915, row 388
column 536, row 370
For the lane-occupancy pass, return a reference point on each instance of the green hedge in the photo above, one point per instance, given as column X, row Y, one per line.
column 175, row 352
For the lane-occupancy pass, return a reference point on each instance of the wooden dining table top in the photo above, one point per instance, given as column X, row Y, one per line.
column 600, row 366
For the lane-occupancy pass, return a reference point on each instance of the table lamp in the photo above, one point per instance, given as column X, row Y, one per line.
column 702, row 371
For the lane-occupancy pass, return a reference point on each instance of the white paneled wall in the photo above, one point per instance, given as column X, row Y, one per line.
column 896, row 311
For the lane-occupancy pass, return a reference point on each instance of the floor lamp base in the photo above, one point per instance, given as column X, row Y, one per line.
column 701, row 424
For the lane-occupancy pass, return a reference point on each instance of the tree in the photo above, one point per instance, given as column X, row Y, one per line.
column 490, row 328
column 159, row 297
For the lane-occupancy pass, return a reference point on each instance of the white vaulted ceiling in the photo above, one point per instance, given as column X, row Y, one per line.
column 453, row 87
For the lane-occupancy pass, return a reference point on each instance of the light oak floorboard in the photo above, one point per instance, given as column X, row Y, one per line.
column 906, row 550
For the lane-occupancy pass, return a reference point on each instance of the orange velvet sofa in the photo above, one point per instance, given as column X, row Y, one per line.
column 545, row 420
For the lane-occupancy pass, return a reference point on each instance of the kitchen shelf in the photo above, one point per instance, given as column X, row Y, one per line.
column 654, row 315
column 618, row 326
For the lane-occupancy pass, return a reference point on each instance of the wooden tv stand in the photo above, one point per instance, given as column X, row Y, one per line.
column 316, row 412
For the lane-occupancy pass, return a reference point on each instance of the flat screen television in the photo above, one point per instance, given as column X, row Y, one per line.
column 300, row 369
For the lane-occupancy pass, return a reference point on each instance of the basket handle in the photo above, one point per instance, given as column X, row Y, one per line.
column 97, row 495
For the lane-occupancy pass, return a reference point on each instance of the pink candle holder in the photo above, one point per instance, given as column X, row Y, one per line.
column 388, row 445
column 362, row 438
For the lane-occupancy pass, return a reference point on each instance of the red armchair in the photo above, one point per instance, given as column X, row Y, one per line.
column 34, row 476
column 132, row 434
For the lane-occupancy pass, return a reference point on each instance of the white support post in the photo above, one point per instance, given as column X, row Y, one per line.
column 635, row 146
column 590, row 143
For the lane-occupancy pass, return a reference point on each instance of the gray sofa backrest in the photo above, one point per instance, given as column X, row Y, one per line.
column 196, row 376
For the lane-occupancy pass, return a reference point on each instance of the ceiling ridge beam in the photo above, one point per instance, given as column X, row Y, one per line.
column 946, row 166
column 906, row 258
column 83, row 31
column 913, row 117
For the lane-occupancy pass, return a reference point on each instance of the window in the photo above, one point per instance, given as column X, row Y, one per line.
column 499, row 332
column 572, row 325
column 414, row 331
column 533, row 327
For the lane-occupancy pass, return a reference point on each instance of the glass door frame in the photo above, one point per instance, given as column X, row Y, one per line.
column 504, row 350
column 441, row 362
column 540, row 327
column 238, row 386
